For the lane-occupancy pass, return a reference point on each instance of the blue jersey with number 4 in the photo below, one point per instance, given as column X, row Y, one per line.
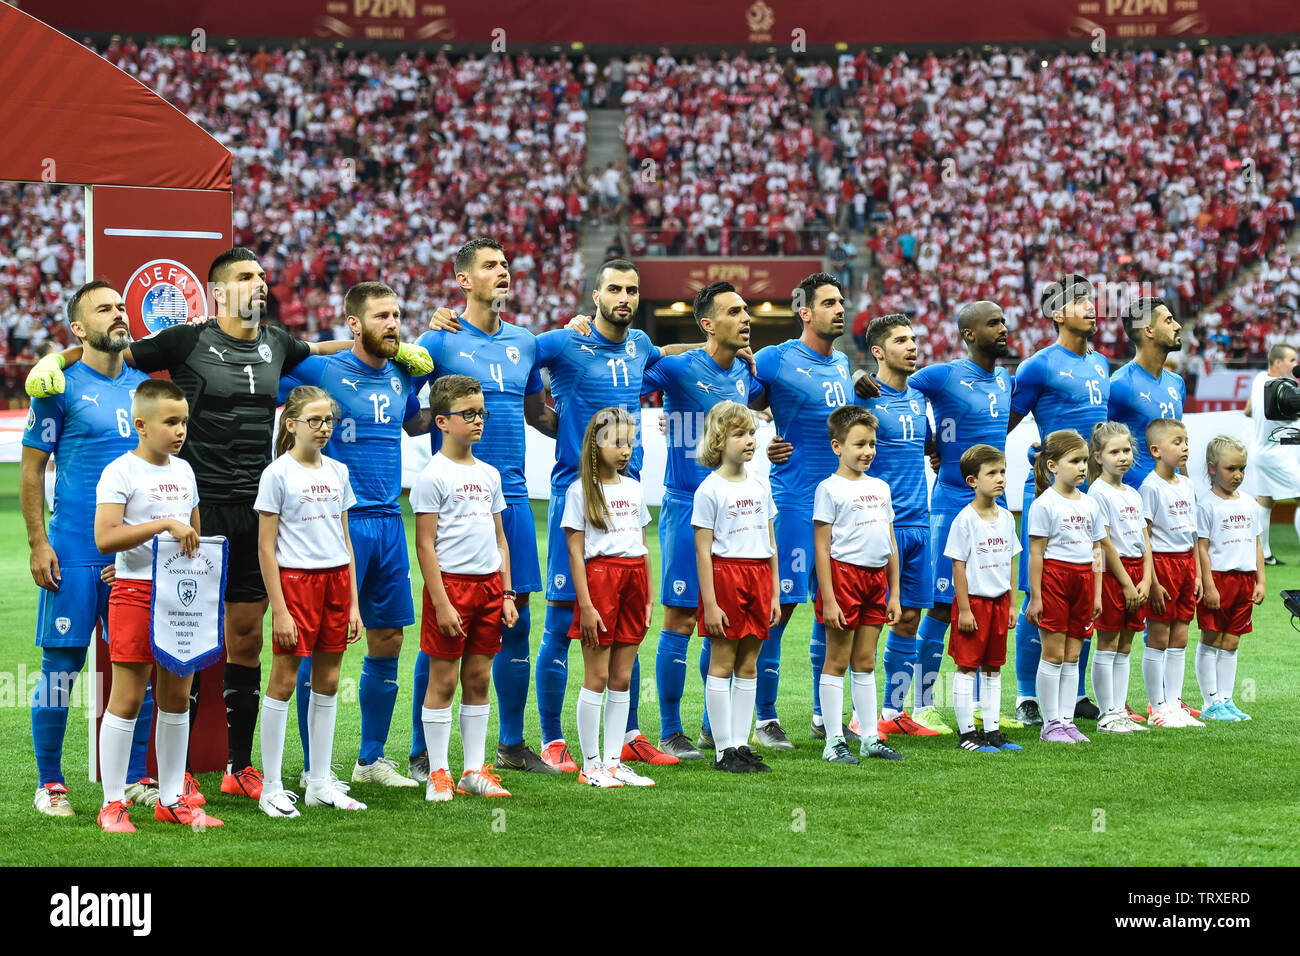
column 900, row 452
column 1137, row 399
column 85, row 428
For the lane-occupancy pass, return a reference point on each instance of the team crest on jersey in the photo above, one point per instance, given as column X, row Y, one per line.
column 679, row 587
column 1173, row 393
column 844, row 373
column 187, row 589
column 740, row 389
column 512, row 353
column 63, row 624
column 31, row 418
column 264, row 350
column 915, row 406
column 630, row 349
column 786, row 585
column 942, row 584
column 162, row 293
column 396, row 383
column 1099, row 371
column 560, row 581
column 1002, row 383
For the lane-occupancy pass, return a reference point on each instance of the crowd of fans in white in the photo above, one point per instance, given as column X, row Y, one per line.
column 971, row 175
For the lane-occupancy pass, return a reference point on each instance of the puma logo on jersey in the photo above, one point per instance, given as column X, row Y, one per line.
column 1146, row 395
column 348, row 381
column 805, row 371
column 586, row 348
column 468, row 355
column 1066, row 373
column 703, row 386
column 93, row 399
column 219, row 353
column 970, row 385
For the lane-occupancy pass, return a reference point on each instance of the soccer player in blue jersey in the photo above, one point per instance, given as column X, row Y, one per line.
column 503, row 358
column 85, row 428
column 1143, row 389
column 971, row 398
column 900, row 462
column 377, row 403
column 588, row 373
column 804, row 380
column 692, row 383
column 1066, row 385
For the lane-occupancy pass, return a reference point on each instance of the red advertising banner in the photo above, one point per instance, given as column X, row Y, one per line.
column 780, row 23
column 754, row 279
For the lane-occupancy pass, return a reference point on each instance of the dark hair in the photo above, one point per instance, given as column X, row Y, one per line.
column 802, row 296
column 354, row 303
column 618, row 265
column 448, row 389
column 976, row 457
column 879, row 328
column 237, row 254
column 842, row 420
column 1058, row 294
column 81, row 293
column 1138, row 309
column 464, row 258
column 703, row 306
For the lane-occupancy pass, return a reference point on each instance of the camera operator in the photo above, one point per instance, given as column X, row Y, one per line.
column 1274, row 471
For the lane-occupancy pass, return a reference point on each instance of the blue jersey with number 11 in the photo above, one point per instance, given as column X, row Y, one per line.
column 900, row 453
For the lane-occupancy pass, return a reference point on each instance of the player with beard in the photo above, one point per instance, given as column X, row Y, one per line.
column 377, row 402
column 1143, row 389
column 230, row 370
column 1065, row 386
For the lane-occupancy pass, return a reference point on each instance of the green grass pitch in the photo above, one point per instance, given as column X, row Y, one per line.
column 1219, row 796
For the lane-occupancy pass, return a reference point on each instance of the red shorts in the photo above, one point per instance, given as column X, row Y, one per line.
column 861, row 593
column 986, row 646
column 1114, row 616
column 743, row 587
column 620, row 590
column 1233, row 615
column 128, row 621
column 320, row 603
column 477, row 599
column 1176, row 573
column 1067, row 599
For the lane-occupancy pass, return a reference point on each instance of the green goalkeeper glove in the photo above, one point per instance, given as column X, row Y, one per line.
column 414, row 358
column 45, row 380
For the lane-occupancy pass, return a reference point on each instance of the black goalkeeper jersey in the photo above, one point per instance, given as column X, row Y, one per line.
column 231, row 385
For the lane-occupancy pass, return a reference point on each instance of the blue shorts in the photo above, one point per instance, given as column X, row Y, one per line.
column 67, row 617
column 678, row 570
column 794, row 554
column 383, row 570
column 915, row 567
column 939, row 525
column 559, row 583
column 1022, row 572
column 521, row 537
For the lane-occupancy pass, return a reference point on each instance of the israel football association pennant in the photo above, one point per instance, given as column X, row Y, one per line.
column 187, row 609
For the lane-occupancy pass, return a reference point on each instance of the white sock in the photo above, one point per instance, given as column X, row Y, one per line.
column 830, row 690
column 1265, row 523
column 473, row 734
column 437, row 735
column 717, row 701
column 963, row 701
column 1207, row 672
column 992, row 699
column 977, row 697
column 1069, row 691
column 1153, row 676
column 617, row 703
column 862, row 688
column 115, row 737
column 322, row 711
column 776, row 720
column 171, row 741
column 272, row 724
column 1227, row 668
column 1103, row 667
column 744, row 692
column 1175, row 670
column 589, row 703
column 1049, row 688
column 1119, row 680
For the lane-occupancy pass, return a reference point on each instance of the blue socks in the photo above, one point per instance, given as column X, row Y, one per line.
column 377, row 695
column 706, row 655
column 899, row 660
column 670, row 678
column 510, row 675
column 1083, row 666
column 817, row 654
column 930, row 636
column 419, row 687
column 769, row 672
column 59, row 669
column 553, row 671
column 302, row 698
column 634, row 696
column 1028, row 650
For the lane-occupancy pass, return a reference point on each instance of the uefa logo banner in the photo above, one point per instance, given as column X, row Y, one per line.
column 162, row 293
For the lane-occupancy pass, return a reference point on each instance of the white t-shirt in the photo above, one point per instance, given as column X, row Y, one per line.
column 1070, row 525
column 738, row 512
column 987, row 547
column 1170, row 506
column 1232, row 527
column 859, row 513
column 627, row 515
column 464, row 497
column 150, row 493
column 1121, row 513
column 310, row 503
